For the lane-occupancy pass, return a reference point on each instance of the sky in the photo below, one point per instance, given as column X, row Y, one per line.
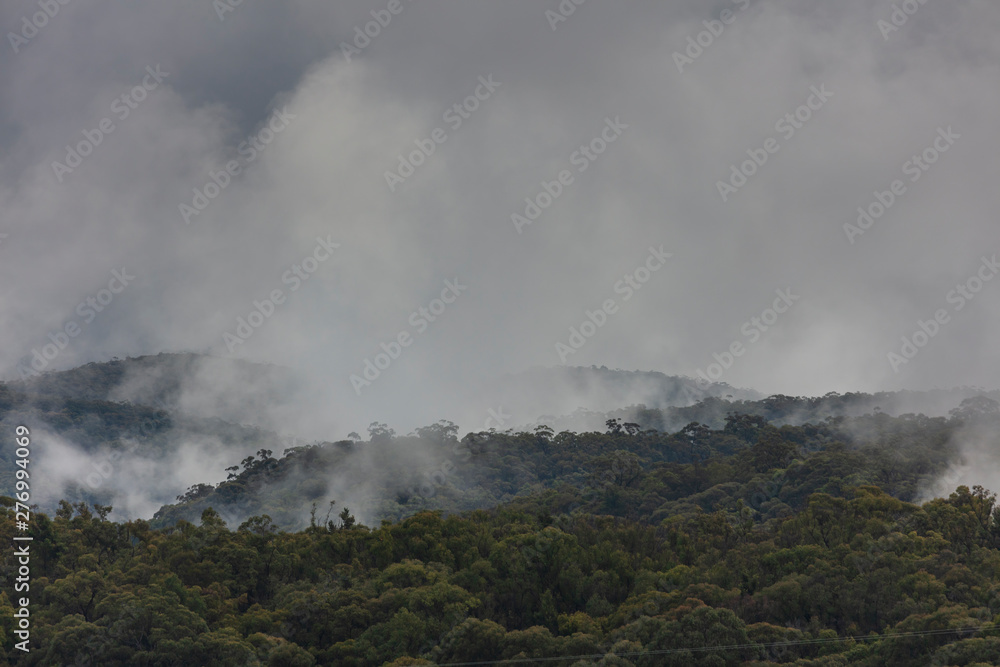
column 638, row 185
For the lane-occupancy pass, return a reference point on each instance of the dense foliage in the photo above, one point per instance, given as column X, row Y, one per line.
column 390, row 477
column 748, row 544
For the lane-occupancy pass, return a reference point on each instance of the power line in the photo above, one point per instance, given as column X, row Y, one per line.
column 728, row 647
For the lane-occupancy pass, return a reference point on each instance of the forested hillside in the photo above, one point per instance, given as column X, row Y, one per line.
column 749, row 544
column 156, row 380
column 391, row 477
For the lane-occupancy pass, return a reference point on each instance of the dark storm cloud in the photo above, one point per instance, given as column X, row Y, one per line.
column 657, row 184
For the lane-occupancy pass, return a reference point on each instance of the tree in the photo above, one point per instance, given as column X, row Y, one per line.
column 621, row 468
column 976, row 408
column 346, row 519
column 631, row 428
column 745, row 427
column 696, row 436
column 442, row 432
column 197, row 491
column 77, row 593
column 771, row 451
column 473, row 639
column 379, row 432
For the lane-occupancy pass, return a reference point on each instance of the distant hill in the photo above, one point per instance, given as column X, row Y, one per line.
column 115, row 432
column 184, row 381
column 583, row 399
column 563, row 390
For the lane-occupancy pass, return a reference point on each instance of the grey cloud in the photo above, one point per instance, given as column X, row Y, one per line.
column 656, row 185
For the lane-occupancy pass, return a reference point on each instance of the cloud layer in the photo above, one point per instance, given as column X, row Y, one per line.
column 352, row 107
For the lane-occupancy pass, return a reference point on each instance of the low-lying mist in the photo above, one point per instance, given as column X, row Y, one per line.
column 137, row 433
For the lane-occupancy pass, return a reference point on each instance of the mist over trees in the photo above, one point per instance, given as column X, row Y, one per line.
column 756, row 532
